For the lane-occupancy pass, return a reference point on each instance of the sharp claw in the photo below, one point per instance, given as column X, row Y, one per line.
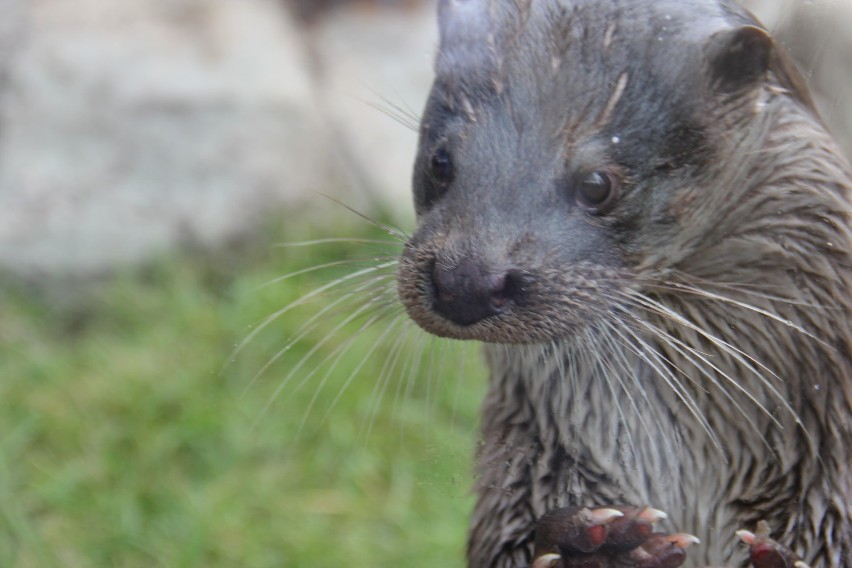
column 652, row 515
column 747, row 537
column 546, row 561
column 683, row 540
column 765, row 551
column 600, row 516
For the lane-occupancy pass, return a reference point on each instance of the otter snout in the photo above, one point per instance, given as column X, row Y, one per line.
column 469, row 292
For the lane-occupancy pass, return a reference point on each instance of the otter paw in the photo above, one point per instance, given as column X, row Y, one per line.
column 621, row 537
column 765, row 552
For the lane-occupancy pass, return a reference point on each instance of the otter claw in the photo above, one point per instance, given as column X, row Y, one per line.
column 767, row 553
column 580, row 531
column 683, row 540
column 546, row 561
column 574, row 537
column 652, row 515
column 599, row 516
column 747, row 537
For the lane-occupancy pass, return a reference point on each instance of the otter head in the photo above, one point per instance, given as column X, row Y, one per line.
column 568, row 153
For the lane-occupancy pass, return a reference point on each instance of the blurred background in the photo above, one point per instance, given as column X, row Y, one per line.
column 167, row 397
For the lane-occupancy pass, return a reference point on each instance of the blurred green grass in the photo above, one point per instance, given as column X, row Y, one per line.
column 131, row 434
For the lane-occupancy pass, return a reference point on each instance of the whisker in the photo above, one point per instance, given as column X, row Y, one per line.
column 675, row 317
column 613, row 372
column 404, row 116
column 313, row 322
column 659, row 364
column 388, row 262
column 463, row 362
column 570, row 372
column 707, row 294
column 305, row 358
column 663, row 454
column 740, row 356
column 688, row 352
column 335, row 240
column 384, row 378
column 335, row 357
column 392, row 230
column 409, row 370
column 268, row 320
column 396, row 114
column 751, row 290
column 625, row 366
column 432, row 374
column 366, row 357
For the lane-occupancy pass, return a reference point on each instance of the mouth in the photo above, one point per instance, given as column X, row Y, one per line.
column 461, row 303
column 464, row 297
column 511, row 323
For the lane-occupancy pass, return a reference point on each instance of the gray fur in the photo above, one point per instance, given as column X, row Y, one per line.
column 688, row 349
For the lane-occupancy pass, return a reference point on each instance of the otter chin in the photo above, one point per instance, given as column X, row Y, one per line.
column 637, row 209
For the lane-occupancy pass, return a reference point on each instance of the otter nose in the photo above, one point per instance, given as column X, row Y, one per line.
column 468, row 293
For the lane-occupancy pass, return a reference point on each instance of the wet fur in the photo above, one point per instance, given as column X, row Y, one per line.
column 689, row 349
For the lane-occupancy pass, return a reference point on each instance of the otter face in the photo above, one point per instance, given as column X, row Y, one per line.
column 557, row 150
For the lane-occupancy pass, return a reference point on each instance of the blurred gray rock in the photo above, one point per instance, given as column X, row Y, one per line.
column 129, row 126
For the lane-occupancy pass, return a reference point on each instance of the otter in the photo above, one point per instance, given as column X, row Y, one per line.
column 636, row 208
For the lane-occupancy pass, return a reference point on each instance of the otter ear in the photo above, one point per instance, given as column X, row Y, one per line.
column 464, row 27
column 462, row 22
column 739, row 58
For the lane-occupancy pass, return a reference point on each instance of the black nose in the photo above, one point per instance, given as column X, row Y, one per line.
column 468, row 292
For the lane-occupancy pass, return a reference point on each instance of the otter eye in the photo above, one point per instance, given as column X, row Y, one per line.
column 596, row 191
column 442, row 166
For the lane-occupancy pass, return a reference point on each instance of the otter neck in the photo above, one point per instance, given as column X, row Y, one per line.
column 603, row 422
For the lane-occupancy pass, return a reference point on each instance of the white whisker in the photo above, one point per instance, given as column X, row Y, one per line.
column 336, row 240
column 404, row 116
column 740, row 356
column 311, row 323
column 746, row 306
column 305, row 358
column 660, row 365
column 392, row 230
column 354, row 373
column 688, row 352
column 267, row 321
column 389, row 261
column 612, row 372
column 388, row 371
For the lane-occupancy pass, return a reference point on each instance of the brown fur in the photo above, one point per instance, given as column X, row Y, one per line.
column 690, row 346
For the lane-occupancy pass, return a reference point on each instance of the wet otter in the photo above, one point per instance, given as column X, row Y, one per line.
column 637, row 209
